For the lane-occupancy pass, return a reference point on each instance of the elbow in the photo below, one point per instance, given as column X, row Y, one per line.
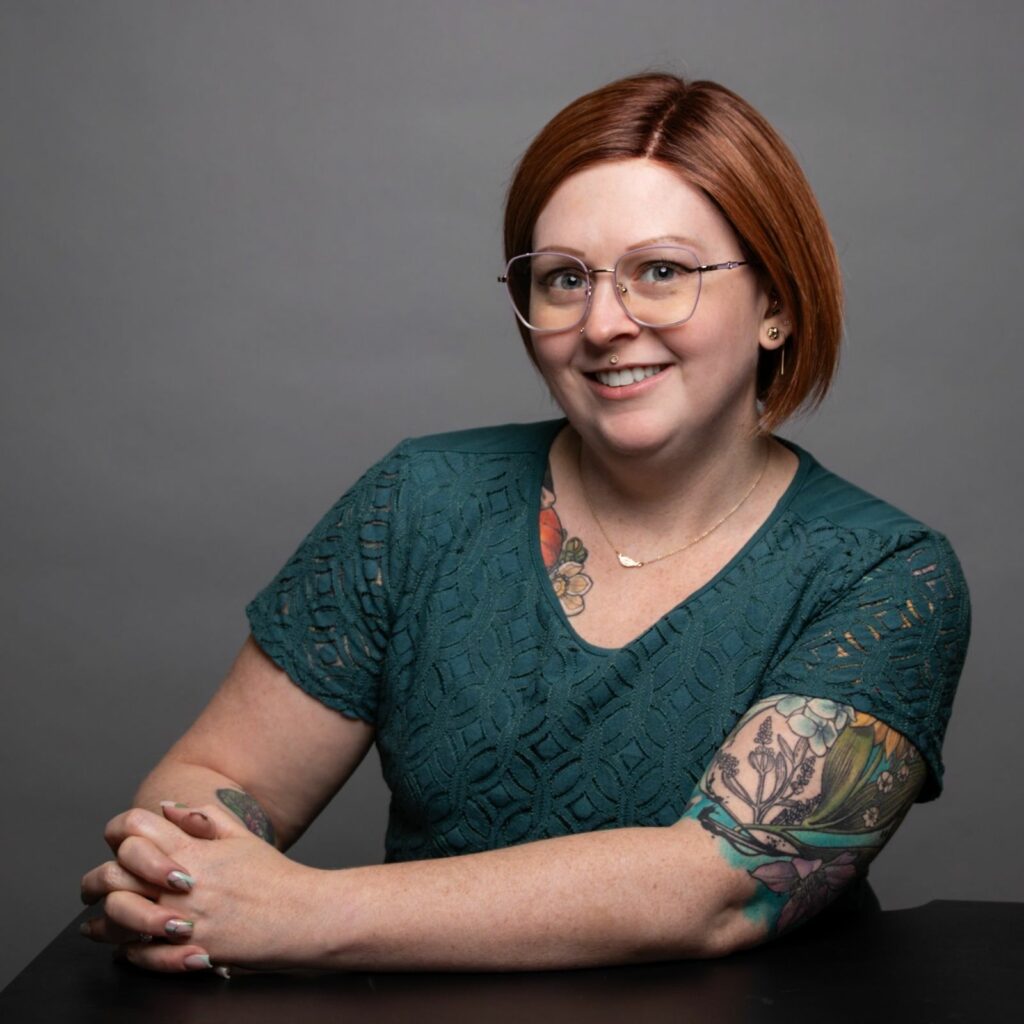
column 715, row 925
column 731, row 922
column 734, row 928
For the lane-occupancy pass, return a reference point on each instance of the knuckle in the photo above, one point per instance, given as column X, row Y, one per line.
column 130, row 849
column 113, row 905
column 109, row 875
column 136, row 819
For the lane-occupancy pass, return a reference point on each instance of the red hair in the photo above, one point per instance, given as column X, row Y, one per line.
column 721, row 145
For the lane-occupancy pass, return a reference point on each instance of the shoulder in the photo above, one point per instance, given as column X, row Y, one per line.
column 859, row 529
column 505, row 439
column 866, row 561
column 825, row 496
column 442, row 485
column 465, row 461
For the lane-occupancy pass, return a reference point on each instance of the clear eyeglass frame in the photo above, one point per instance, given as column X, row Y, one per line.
column 620, row 289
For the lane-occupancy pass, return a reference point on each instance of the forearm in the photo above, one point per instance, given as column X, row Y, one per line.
column 609, row 897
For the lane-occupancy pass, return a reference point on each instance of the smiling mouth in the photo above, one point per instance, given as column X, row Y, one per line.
column 622, row 378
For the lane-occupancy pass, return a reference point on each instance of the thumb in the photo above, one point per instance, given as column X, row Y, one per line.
column 240, row 815
column 200, row 824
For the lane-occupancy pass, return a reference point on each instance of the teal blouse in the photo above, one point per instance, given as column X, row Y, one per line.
column 421, row 603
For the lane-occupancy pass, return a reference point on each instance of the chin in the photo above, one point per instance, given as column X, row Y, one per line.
column 637, row 434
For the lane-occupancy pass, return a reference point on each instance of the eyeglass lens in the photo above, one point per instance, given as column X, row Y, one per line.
column 657, row 286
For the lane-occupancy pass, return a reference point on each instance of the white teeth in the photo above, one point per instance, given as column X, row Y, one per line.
column 620, row 378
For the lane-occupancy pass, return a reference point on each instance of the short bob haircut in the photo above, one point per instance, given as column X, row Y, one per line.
column 719, row 144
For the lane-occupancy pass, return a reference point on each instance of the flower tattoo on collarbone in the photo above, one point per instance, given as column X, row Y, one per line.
column 564, row 556
column 803, row 794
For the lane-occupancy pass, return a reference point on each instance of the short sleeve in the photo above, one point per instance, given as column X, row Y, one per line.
column 325, row 617
column 891, row 643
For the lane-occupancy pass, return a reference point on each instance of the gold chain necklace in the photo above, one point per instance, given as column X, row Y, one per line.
column 632, row 563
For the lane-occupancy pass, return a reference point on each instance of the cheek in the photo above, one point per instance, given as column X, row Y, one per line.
column 552, row 353
column 729, row 338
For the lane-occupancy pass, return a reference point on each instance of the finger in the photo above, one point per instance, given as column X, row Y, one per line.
column 137, row 915
column 169, row 959
column 110, row 876
column 140, row 857
column 206, row 821
column 102, row 929
column 195, row 822
column 140, row 822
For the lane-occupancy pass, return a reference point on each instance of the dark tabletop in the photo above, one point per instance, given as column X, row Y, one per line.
column 945, row 961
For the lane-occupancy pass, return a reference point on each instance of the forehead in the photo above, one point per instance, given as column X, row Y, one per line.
column 614, row 205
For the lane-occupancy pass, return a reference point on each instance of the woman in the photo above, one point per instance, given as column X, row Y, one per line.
column 674, row 717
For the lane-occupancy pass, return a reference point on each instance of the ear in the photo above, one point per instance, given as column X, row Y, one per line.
column 776, row 326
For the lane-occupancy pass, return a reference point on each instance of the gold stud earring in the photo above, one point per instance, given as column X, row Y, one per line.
column 773, row 333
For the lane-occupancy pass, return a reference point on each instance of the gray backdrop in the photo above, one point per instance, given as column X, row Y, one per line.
column 205, row 211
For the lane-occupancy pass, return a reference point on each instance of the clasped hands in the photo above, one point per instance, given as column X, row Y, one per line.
column 192, row 889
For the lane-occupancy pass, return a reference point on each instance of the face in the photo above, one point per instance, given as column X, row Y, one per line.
column 699, row 377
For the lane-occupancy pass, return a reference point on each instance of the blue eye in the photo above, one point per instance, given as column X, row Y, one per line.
column 565, row 280
column 661, row 272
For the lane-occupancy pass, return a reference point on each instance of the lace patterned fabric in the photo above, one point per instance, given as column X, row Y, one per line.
column 420, row 603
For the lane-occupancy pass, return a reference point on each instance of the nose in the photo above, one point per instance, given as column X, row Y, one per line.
column 607, row 320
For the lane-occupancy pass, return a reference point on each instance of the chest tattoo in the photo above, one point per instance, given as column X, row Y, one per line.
column 564, row 556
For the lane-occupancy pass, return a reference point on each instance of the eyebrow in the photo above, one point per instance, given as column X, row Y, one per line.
column 661, row 239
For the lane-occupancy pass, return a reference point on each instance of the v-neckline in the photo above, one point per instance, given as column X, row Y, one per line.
column 537, row 559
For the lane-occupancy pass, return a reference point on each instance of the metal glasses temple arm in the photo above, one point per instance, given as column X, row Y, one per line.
column 728, row 265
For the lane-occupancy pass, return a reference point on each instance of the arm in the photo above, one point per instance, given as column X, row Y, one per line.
column 262, row 748
column 721, row 879
column 284, row 753
column 800, row 798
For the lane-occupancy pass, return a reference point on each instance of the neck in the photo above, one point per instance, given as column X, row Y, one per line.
column 676, row 493
column 684, row 507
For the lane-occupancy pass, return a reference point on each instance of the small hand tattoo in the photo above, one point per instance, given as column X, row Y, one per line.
column 248, row 809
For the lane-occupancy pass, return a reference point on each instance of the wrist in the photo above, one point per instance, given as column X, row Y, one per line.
column 320, row 914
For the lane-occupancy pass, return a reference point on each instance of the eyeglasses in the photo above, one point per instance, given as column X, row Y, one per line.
column 657, row 286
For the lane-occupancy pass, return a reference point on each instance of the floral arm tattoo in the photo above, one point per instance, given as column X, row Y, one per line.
column 248, row 809
column 564, row 556
column 803, row 795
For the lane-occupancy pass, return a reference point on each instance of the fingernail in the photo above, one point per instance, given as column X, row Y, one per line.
column 171, row 803
column 85, row 929
column 222, row 972
column 197, row 962
column 180, row 881
column 177, row 926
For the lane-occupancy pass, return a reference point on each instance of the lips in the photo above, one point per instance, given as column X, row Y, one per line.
column 623, row 378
